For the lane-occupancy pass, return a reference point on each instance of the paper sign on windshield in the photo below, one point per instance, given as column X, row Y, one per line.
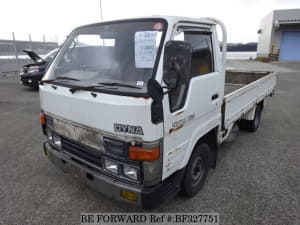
column 145, row 48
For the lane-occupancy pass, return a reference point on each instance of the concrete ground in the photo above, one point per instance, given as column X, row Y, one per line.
column 257, row 179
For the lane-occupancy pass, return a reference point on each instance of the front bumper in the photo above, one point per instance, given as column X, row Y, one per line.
column 147, row 197
column 31, row 81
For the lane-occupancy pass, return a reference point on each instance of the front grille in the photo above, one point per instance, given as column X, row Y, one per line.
column 91, row 158
column 88, row 154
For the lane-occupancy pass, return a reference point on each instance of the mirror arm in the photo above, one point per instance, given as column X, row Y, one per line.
column 171, row 88
column 167, row 92
column 166, row 87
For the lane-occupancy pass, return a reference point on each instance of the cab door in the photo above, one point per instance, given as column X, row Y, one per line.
column 193, row 108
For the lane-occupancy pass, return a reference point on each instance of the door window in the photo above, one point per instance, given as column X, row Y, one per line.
column 201, row 61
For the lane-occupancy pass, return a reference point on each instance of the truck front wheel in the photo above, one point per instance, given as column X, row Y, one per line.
column 196, row 171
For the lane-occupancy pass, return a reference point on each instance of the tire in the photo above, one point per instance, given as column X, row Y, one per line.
column 252, row 125
column 196, row 171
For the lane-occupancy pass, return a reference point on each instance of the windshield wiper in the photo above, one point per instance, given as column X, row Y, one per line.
column 58, row 78
column 120, row 85
column 72, row 90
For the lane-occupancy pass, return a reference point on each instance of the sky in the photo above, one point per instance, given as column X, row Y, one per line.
column 56, row 18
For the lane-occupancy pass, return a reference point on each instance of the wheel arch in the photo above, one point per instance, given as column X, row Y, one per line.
column 211, row 139
column 261, row 104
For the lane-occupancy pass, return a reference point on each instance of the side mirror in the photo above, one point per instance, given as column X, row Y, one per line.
column 177, row 63
column 156, row 93
column 155, row 90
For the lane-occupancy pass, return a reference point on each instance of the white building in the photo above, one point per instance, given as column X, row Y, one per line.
column 279, row 35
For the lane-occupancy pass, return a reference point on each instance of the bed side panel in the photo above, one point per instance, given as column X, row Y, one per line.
column 242, row 100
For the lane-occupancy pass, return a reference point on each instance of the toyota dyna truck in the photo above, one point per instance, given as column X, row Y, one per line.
column 138, row 107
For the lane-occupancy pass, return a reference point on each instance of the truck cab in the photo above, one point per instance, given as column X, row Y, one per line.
column 137, row 106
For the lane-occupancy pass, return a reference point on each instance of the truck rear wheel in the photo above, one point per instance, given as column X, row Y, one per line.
column 196, row 171
column 252, row 125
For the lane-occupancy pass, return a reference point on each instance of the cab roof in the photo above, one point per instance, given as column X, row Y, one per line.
column 169, row 19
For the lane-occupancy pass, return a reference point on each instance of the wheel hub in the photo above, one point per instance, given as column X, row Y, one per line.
column 197, row 170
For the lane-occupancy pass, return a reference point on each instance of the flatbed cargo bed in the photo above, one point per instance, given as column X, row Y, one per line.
column 243, row 90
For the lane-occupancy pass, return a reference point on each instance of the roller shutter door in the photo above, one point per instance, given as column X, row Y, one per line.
column 290, row 46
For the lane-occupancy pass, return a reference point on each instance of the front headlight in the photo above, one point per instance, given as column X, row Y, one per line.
column 110, row 166
column 54, row 139
column 49, row 135
column 33, row 69
column 130, row 172
column 57, row 141
column 120, row 169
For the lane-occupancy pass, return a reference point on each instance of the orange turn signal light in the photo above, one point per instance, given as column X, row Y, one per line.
column 136, row 153
column 43, row 118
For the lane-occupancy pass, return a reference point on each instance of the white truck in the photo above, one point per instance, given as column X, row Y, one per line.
column 138, row 107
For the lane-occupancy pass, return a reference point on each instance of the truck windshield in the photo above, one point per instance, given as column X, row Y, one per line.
column 118, row 52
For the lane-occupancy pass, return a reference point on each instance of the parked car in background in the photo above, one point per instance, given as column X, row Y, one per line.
column 32, row 73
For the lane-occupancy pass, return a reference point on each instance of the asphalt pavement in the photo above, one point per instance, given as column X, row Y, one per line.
column 257, row 179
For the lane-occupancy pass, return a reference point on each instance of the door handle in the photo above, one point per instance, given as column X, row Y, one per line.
column 215, row 96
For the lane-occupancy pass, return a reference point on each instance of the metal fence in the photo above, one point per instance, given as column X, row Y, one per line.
column 12, row 57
